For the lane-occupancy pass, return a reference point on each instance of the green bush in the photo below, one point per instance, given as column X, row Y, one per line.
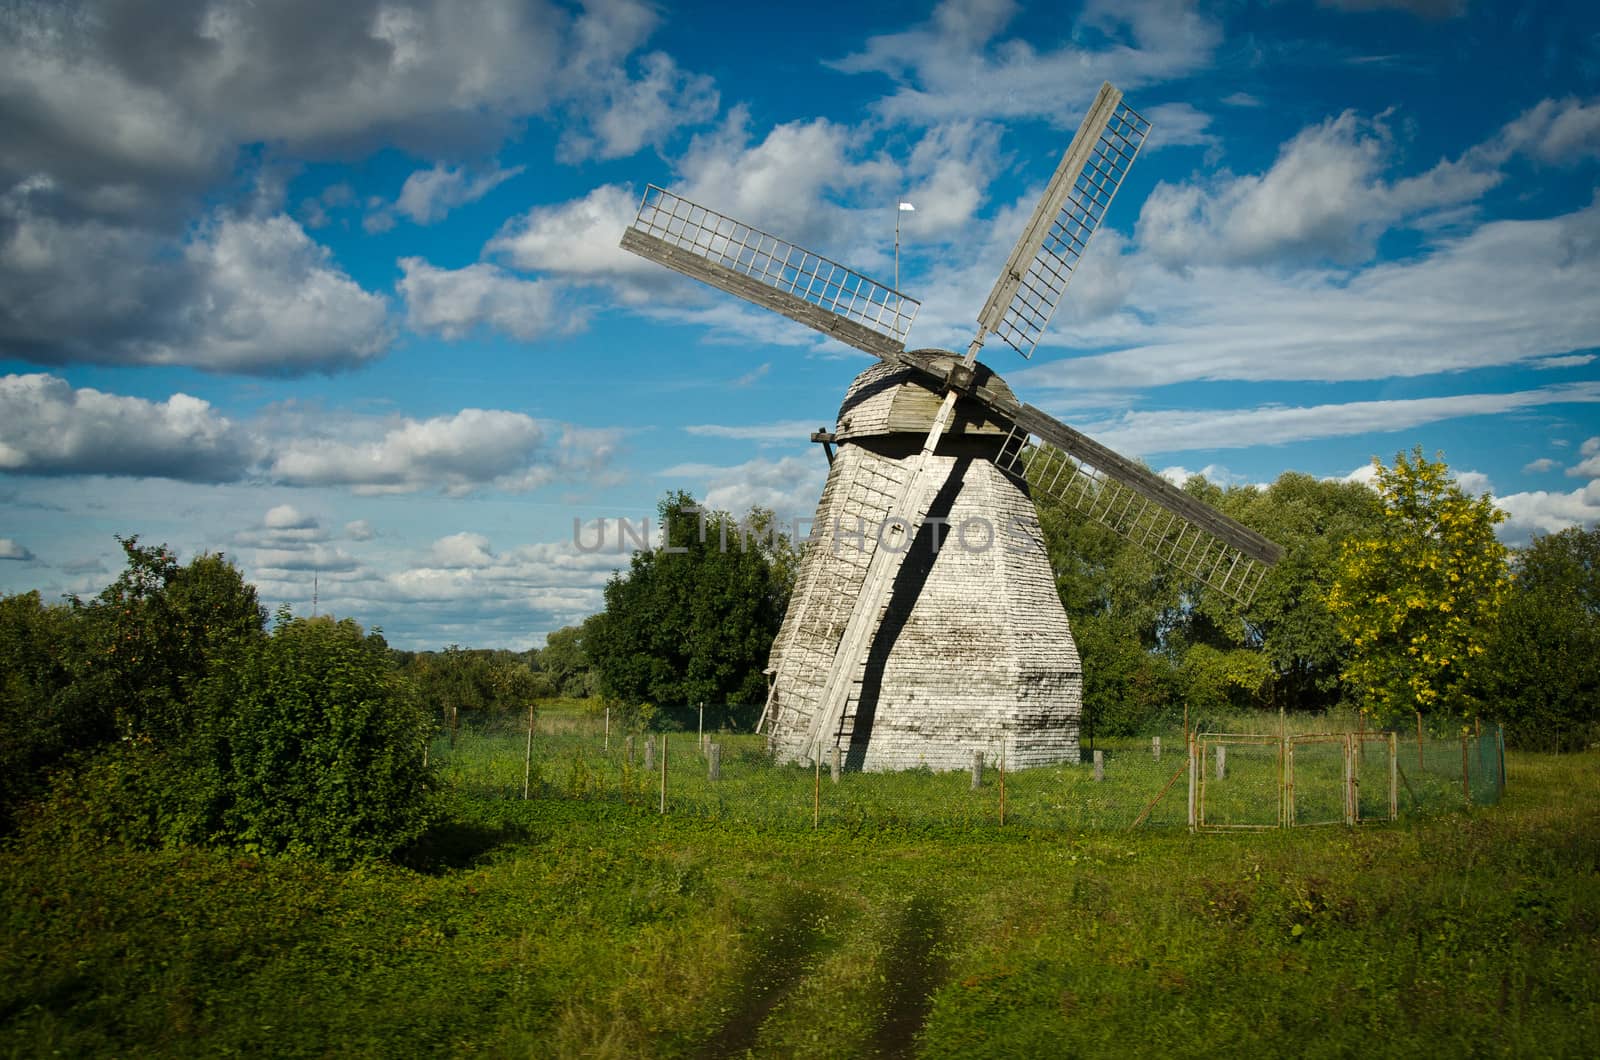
column 316, row 745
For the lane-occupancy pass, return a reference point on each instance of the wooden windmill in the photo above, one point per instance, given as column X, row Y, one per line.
column 906, row 643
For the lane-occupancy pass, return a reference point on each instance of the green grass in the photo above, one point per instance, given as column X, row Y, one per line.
column 582, row 922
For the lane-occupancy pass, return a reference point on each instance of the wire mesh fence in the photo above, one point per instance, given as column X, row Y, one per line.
column 1213, row 782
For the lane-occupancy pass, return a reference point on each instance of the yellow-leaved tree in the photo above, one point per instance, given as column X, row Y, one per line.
column 1416, row 602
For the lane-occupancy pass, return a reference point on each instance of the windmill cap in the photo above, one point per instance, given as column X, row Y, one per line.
column 891, row 399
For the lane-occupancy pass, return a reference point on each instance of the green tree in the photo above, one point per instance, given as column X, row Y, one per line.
column 565, row 661
column 154, row 632
column 1542, row 671
column 693, row 621
column 46, row 710
column 1417, row 600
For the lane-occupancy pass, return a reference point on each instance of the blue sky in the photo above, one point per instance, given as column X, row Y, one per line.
column 335, row 290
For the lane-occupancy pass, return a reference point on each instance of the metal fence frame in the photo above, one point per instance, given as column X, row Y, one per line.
column 1351, row 747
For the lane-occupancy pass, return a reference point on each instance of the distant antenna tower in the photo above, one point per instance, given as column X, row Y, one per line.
column 313, row 594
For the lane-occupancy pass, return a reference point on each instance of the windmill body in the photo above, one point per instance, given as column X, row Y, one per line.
column 891, row 653
column 972, row 650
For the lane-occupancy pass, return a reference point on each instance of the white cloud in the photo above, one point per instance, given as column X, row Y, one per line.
column 579, row 237
column 454, row 302
column 957, row 64
column 9, row 549
column 1179, row 125
column 274, row 303
column 462, row 550
column 429, row 194
column 288, row 517
column 1589, row 467
column 126, row 121
column 241, row 294
column 1505, row 293
column 1324, row 197
column 1557, row 131
column 624, row 115
column 788, row 486
column 359, row 530
column 782, row 431
column 1539, row 466
column 1216, row 474
column 47, row 427
column 472, row 449
column 317, row 558
column 1547, row 512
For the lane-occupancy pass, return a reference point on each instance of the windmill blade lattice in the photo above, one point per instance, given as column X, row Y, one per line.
column 1040, row 267
column 1142, row 507
column 771, row 272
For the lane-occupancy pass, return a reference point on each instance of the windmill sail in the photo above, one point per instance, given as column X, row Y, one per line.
column 771, row 272
column 1071, row 468
column 1030, row 286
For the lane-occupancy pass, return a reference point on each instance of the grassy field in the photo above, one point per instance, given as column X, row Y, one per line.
column 583, row 923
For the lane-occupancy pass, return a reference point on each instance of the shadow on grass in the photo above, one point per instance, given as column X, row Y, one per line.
column 451, row 845
column 912, row 970
column 778, row 962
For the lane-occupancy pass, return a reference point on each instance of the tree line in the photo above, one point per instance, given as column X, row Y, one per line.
column 1393, row 599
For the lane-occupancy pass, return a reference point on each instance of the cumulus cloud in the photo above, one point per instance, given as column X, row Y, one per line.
column 429, row 194
column 462, row 550
column 241, row 294
column 579, row 237
column 1589, row 467
column 1324, row 197
column 788, row 486
column 9, row 549
column 453, row 302
column 124, row 117
column 288, row 517
column 471, row 449
column 47, row 427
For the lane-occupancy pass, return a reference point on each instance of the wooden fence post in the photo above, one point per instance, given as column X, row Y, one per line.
column 663, row 773
column 1155, row 747
column 649, row 753
column 1003, row 786
column 1099, row 766
column 1194, row 775
column 714, row 762
column 836, row 765
column 527, row 758
column 816, row 792
column 1222, row 761
column 977, row 770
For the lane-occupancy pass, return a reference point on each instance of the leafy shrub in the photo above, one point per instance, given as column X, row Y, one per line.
column 317, row 745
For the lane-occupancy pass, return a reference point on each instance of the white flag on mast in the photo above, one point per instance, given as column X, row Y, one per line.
column 908, row 208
